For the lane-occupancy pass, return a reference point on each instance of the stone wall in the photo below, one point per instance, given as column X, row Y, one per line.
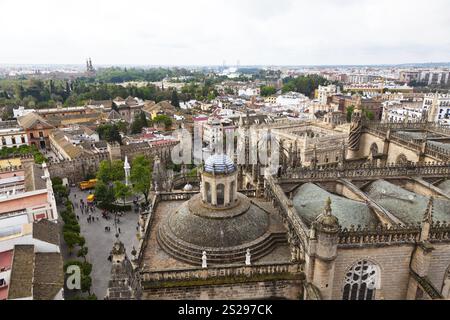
column 163, row 150
column 284, row 289
column 76, row 170
column 440, row 263
column 393, row 262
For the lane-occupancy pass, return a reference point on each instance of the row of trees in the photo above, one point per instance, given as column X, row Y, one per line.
column 119, row 75
column 47, row 93
column 268, row 91
column 304, row 84
column 201, row 92
column 22, row 150
column 73, row 238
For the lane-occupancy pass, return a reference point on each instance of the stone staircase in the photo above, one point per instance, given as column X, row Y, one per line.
column 192, row 254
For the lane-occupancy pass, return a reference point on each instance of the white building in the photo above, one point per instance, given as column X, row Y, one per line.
column 435, row 77
column 21, row 111
column 437, row 107
column 293, row 100
column 12, row 135
column 323, row 92
column 249, row 92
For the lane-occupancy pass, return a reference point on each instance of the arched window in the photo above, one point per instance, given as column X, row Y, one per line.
column 361, row 281
column 220, row 194
column 208, row 192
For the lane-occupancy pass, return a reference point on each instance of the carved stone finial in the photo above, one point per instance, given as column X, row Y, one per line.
column 326, row 221
column 428, row 216
column 328, row 207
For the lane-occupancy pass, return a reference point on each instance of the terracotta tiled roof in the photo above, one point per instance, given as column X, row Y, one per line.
column 48, row 277
column 46, row 231
column 31, row 120
column 21, row 282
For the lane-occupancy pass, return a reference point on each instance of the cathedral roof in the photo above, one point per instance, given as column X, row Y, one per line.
column 406, row 205
column 445, row 186
column 309, row 203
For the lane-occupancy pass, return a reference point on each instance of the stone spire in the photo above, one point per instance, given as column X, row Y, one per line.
column 313, row 164
column 326, row 221
column 325, row 233
column 124, row 282
column 158, row 175
column 241, row 121
column 427, row 221
column 343, row 155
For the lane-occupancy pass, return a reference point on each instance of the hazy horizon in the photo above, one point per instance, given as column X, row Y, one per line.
column 207, row 33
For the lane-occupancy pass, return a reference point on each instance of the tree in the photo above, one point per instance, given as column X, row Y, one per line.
column 114, row 134
column 162, row 118
column 350, row 110
column 304, row 84
column 141, row 176
column 140, row 121
column 268, row 91
column 71, row 238
column 175, row 100
column 104, row 194
column 86, row 283
column 82, row 253
column 122, row 191
column 109, row 133
column 111, row 171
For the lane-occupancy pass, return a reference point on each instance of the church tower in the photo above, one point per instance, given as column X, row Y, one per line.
column 323, row 249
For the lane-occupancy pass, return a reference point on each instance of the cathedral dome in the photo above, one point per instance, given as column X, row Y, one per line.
column 224, row 234
column 219, row 163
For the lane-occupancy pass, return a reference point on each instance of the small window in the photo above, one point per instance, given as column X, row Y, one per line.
column 41, row 134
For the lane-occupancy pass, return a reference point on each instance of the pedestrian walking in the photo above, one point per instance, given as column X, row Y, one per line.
column 119, row 231
column 78, row 218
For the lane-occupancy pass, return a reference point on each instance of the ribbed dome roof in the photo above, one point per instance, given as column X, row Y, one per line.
column 219, row 163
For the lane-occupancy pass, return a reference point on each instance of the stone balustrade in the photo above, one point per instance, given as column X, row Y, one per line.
column 368, row 171
column 390, row 235
column 230, row 271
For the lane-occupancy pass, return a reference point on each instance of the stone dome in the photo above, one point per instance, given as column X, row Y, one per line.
column 219, row 163
column 224, row 234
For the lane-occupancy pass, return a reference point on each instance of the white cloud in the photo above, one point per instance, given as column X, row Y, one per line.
column 210, row 31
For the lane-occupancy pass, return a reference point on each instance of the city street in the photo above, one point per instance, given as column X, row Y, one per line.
column 100, row 242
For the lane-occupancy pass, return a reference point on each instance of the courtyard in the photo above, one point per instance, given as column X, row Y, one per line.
column 100, row 242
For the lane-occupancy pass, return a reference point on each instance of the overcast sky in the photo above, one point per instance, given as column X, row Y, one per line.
column 207, row 32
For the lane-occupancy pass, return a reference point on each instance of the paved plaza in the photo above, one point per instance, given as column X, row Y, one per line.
column 100, row 242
